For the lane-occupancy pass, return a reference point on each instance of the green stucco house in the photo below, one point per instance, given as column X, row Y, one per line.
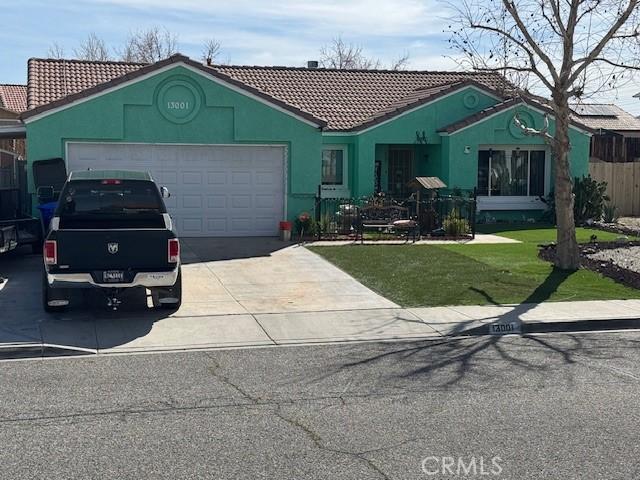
column 242, row 148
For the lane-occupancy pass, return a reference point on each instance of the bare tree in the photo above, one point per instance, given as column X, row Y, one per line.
column 345, row 56
column 401, row 62
column 564, row 49
column 149, row 46
column 93, row 48
column 210, row 51
column 55, row 51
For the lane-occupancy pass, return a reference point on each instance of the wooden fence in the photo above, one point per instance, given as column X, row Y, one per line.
column 623, row 184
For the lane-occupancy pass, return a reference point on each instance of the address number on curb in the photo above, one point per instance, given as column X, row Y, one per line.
column 504, row 328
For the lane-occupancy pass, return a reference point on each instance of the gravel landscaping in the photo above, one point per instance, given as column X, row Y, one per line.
column 611, row 259
column 625, row 257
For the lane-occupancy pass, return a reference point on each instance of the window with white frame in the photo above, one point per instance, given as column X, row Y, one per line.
column 334, row 167
column 511, row 172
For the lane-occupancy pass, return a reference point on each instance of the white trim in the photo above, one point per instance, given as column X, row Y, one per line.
column 339, row 134
column 283, row 146
column 509, row 203
column 407, row 112
column 337, row 191
column 206, row 75
column 541, row 112
column 517, row 202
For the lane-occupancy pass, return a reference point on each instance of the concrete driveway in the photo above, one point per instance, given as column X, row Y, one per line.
column 236, row 293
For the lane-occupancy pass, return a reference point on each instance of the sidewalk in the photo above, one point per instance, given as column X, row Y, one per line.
column 145, row 333
column 550, row 316
column 480, row 239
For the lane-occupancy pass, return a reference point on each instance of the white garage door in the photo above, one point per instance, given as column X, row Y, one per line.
column 216, row 191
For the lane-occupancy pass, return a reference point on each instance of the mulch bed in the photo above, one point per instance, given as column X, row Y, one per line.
column 615, row 228
column 604, row 267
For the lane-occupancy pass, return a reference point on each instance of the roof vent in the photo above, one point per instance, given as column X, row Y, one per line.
column 312, row 64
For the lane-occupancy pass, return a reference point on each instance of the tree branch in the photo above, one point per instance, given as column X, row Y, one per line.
column 595, row 53
column 511, row 8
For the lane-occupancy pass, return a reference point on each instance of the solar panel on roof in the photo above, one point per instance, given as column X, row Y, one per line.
column 596, row 110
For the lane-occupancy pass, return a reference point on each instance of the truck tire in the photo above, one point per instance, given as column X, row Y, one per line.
column 174, row 292
column 49, row 293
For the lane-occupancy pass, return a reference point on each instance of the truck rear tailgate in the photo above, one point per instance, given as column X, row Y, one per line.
column 100, row 250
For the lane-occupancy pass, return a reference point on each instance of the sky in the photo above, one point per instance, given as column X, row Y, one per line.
column 251, row 32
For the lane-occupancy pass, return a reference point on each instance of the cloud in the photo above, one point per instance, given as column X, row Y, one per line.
column 347, row 17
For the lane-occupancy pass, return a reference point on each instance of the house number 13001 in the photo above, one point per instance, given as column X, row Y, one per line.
column 178, row 105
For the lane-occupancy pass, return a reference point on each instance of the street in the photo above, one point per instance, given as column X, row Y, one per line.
column 548, row 406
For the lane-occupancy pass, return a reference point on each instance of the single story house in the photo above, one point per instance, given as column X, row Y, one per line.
column 243, row 147
column 13, row 101
column 616, row 135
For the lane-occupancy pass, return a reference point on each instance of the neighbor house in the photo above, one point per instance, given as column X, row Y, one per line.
column 616, row 133
column 13, row 101
column 243, row 147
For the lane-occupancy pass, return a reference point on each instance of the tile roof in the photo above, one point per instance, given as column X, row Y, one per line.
column 421, row 96
column 143, row 69
column 605, row 117
column 345, row 99
column 13, row 97
column 348, row 98
column 53, row 79
column 502, row 106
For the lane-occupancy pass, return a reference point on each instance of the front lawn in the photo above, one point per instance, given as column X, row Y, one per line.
column 434, row 275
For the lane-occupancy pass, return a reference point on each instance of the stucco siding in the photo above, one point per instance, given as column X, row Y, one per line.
column 131, row 114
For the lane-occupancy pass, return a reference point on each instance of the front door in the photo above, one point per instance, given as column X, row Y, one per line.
column 400, row 171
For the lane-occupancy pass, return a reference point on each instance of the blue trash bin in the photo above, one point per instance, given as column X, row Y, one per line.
column 46, row 213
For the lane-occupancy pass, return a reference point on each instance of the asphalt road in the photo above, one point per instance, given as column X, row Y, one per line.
column 548, row 407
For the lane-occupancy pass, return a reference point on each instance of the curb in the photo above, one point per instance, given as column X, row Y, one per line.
column 560, row 326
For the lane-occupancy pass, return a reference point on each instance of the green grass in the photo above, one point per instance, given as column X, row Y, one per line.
column 434, row 275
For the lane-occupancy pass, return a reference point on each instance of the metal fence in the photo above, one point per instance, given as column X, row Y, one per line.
column 450, row 216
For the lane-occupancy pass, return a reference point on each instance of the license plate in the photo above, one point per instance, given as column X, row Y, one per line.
column 113, row 276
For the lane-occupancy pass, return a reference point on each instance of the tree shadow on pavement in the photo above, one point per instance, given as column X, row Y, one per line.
column 449, row 361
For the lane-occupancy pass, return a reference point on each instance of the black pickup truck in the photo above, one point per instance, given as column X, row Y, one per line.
column 111, row 231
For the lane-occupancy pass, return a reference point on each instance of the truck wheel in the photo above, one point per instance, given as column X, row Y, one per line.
column 174, row 292
column 52, row 295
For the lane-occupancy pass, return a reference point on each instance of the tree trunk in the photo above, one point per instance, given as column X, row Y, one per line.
column 567, row 256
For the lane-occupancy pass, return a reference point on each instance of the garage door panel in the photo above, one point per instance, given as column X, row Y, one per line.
column 217, row 178
column 217, row 201
column 215, row 190
column 164, row 177
column 192, row 225
column 217, row 225
column 192, row 201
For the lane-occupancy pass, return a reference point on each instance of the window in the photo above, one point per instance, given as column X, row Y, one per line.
column 333, row 163
column 513, row 173
column 124, row 198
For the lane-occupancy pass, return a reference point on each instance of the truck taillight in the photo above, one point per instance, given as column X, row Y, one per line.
column 174, row 250
column 50, row 252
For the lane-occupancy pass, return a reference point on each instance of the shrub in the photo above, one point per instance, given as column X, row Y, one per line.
column 454, row 225
column 325, row 224
column 589, row 201
column 610, row 214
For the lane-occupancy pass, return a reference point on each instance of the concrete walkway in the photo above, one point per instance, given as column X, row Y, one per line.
column 481, row 239
column 264, row 294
